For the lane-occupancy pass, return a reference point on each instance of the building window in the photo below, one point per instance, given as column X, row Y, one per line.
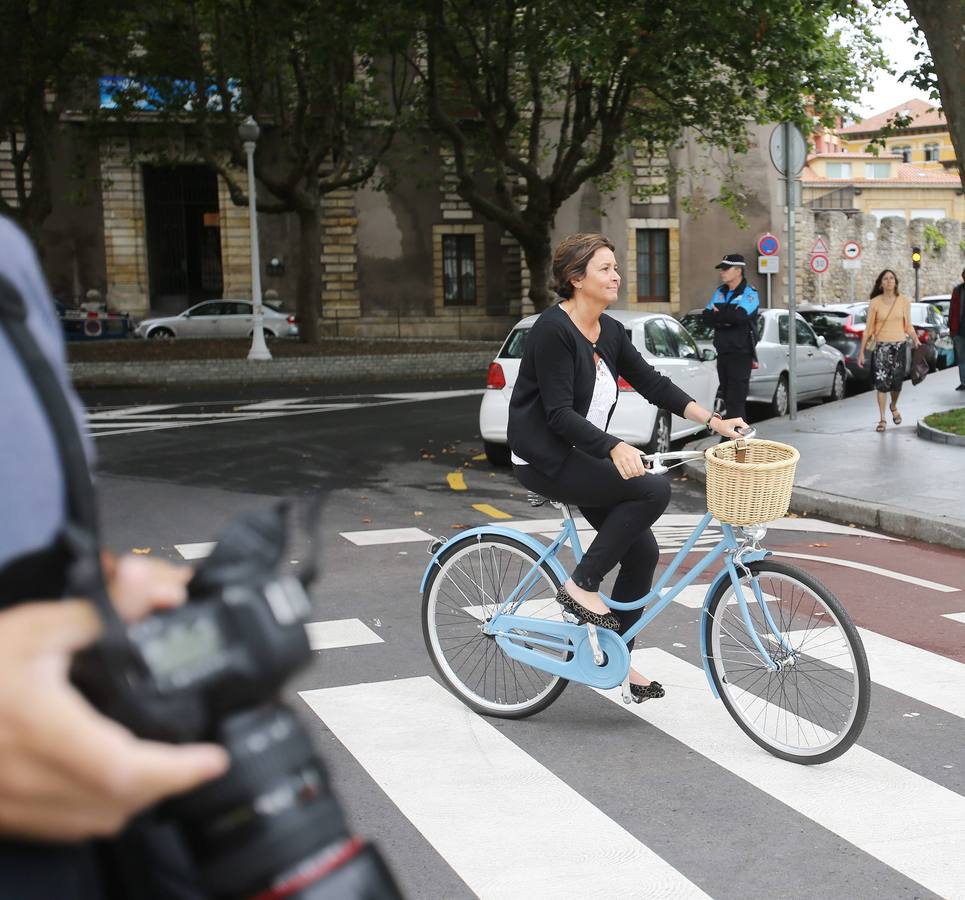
column 459, row 269
column 931, row 152
column 653, row 264
column 903, row 152
column 933, row 214
column 837, row 170
column 877, row 170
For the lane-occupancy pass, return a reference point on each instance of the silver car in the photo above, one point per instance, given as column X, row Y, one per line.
column 820, row 370
column 219, row 319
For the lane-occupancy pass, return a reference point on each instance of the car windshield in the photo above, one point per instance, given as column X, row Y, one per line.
column 515, row 344
column 923, row 314
column 698, row 328
column 828, row 324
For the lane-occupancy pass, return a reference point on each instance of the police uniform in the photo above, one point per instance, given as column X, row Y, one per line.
column 733, row 315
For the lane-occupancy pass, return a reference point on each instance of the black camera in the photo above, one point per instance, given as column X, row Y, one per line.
column 210, row 670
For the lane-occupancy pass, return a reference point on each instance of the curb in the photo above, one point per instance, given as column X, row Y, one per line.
column 849, row 511
column 927, row 433
column 305, row 369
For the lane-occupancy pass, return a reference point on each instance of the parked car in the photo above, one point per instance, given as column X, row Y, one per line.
column 219, row 318
column 664, row 343
column 942, row 301
column 820, row 370
column 842, row 326
column 946, row 346
column 93, row 324
column 932, row 330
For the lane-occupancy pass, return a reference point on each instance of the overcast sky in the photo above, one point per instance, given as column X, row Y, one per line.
column 888, row 91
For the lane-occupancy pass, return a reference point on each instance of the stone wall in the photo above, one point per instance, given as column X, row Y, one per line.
column 884, row 246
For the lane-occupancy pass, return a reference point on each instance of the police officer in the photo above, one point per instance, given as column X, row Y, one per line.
column 732, row 312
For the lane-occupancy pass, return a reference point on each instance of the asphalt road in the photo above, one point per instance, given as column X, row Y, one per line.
column 450, row 796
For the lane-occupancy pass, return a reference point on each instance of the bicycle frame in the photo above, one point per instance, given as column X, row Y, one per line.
column 571, row 640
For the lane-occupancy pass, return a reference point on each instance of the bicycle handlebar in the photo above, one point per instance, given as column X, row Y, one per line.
column 654, row 462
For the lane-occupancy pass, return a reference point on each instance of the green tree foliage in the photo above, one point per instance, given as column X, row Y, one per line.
column 51, row 52
column 319, row 76
column 537, row 98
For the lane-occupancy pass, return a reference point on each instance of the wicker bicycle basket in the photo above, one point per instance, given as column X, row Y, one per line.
column 755, row 490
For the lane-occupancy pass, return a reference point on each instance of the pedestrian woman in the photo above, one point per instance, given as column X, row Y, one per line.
column 562, row 402
column 889, row 323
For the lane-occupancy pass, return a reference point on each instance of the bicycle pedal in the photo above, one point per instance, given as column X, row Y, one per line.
column 625, row 691
column 598, row 657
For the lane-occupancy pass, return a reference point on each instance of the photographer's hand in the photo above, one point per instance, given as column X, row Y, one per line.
column 66, row 771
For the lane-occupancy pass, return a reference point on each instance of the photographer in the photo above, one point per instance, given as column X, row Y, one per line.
column 68, row 775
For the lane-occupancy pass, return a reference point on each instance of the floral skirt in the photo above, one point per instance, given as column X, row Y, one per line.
column 888, row 365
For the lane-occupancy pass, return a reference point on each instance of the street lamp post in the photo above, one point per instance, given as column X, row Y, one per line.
column 248, row 131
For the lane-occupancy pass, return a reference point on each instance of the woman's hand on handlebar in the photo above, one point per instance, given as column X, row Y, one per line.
column 627, row 460
column 727, row 427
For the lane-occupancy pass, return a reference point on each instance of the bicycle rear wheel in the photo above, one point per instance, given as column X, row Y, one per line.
column 472, row 578
column 813, row 707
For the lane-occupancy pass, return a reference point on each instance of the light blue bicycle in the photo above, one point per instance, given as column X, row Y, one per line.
column 777, row 646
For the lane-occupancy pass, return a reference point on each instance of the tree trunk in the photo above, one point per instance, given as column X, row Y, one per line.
column 943, row 25
column 308, row 295
column 539, row 259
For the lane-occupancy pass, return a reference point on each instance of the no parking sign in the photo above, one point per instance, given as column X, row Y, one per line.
column 768, row 245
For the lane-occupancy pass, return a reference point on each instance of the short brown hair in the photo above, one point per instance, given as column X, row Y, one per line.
column 571, row 257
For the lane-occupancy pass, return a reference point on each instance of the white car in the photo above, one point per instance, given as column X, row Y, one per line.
column 820, row 371
column 219, row 319
column 664, row 343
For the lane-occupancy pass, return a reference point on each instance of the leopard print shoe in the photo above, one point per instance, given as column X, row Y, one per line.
column 601, row 620
column 652, row 691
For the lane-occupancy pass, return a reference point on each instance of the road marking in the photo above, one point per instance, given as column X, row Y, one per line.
column 387, row 536
column 125, row 412
column 955, row 617
column 456, row 481
column 875, row 570
column 196, row 551
column 340, row 633
column 491, row 511
column 895, row 815
column 494, row 813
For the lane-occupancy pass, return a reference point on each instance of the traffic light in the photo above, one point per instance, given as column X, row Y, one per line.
column 916, row 257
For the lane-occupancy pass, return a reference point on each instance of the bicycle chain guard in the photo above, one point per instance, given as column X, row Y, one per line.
column 535, row 642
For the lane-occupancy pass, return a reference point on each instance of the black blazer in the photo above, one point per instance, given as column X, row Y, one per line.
column 547, row 412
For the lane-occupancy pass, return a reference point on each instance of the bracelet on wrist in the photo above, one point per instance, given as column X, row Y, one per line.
column 715, row 415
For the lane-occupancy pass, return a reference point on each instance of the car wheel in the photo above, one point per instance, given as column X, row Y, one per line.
column 497, row 454
column 160, row 334
column 779, row 402
column 660, row 439
column 837, row 385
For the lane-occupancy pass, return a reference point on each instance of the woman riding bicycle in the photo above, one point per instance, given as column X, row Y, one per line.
column 564, row 396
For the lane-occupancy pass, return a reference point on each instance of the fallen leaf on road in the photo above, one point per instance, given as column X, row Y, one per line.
column 819, row 545
column 140, row 551
column 367, row 521
column 418, row 512
column 458, row 526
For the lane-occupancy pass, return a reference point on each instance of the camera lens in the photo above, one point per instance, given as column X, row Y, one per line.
column 272, row 817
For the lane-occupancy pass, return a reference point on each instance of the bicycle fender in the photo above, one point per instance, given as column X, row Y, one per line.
column 752, row 556
column 520, row 536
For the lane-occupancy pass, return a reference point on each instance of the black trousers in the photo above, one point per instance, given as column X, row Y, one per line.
column 622, row 512
column 734, row 372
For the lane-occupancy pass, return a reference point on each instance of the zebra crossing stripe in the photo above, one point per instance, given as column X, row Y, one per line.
column 386, row 536
column 494, row 813
column 897, row 816
column 335, row 633
column 196, row 551
column 955, row 617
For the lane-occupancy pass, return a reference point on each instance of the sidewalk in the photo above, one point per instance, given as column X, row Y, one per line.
column 896, row 482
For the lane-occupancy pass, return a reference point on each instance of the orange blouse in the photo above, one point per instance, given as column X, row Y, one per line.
column 889, row 320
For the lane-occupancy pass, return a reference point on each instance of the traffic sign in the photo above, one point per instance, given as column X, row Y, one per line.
column 851, row 250
column 768, row 265
column 788, row 149
column 820, row 246
column 768, row 245
column 820, row 263
column 850, row 263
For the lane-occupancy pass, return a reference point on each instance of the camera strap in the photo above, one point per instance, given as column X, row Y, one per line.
column 80, row 533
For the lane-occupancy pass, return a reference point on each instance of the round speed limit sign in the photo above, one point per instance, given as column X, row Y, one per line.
column 819, row 263
column 851, row 250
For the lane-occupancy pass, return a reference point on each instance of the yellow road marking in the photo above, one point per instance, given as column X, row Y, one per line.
column 479, row 457
column 491, row 511
column 456, row 481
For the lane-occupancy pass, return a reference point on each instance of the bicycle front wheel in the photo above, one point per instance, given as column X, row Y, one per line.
column 472, row 578
column 813, row 706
